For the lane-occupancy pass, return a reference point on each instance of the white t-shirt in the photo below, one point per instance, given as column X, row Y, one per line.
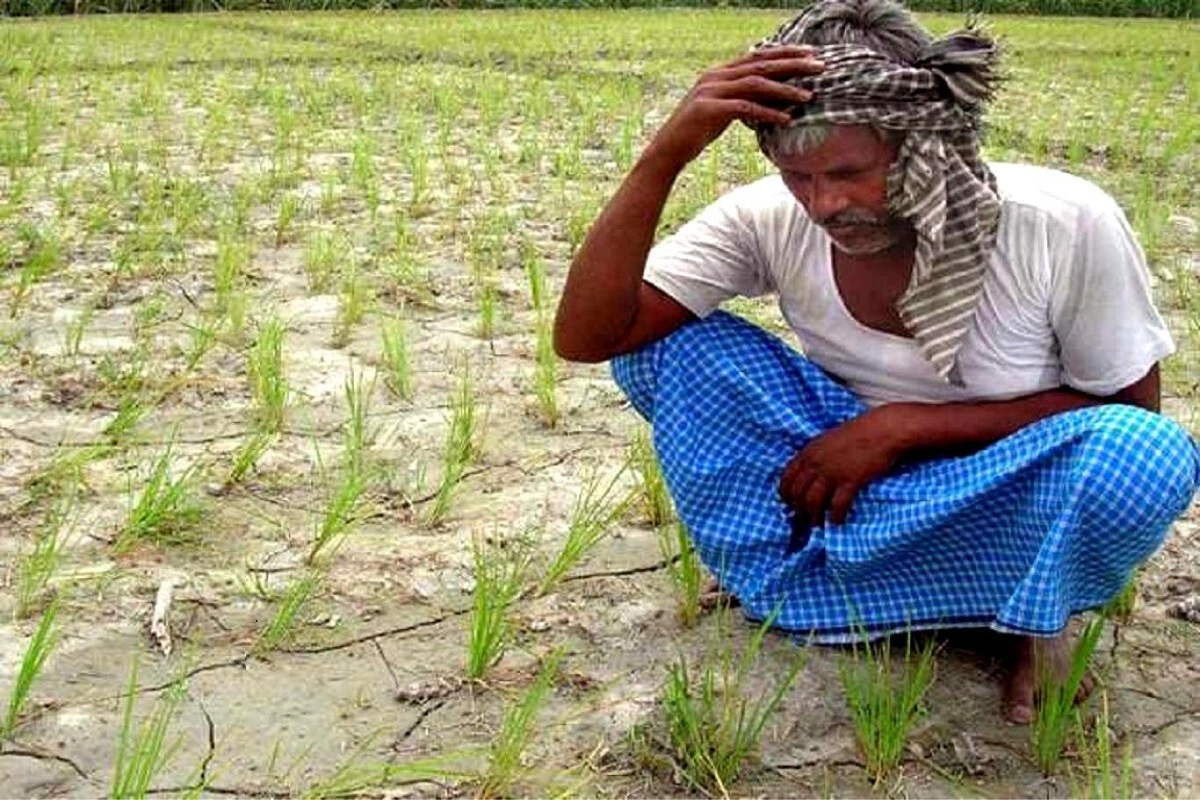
column 1066, row 300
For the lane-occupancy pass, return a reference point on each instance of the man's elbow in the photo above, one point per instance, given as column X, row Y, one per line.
column 571, row 347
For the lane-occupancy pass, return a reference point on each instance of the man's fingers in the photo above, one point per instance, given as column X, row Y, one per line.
column 775, row 70
column 839, row 506
column 760, row 89
column 774, row 52
column 793, row 487
column 816, row 500
column 753, row 112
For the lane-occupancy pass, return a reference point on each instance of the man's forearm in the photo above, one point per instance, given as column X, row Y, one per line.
column 948, row 427
column 940, row 428
column 599, row 301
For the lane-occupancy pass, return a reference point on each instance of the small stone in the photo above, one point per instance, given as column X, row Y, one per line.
column 1187, row 609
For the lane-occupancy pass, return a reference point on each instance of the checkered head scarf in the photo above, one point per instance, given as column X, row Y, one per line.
column 938, row 182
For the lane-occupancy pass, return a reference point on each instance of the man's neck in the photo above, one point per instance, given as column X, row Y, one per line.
column 894, row 262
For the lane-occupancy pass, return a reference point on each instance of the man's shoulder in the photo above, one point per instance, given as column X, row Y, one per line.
column 1051, row 196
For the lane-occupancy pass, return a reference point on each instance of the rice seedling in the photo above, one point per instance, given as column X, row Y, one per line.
column 506, row 758
column 358, row 409
column 684, row 569
column 596, row 508
column 285, row 219
column 65, row 472
column 36, row 567
column 545, row 373
column 356, row 776
column 40, row 644
column 246, row 459
column 1120, row 608
column 74, row 331
column 417, row 161
column 399, row 379
column 43, row 255
column 143, row 751
column 268, row 385
column 1102, row 779
column 500, row 572
column 233, row 256
column 129, row 413
column 488, row 299
column 166, row 510
column 352, row 306
column 283, row 623
column 652, row 493
column 461, row 447
column 1054, row 716
column 338, row 517
column 713, row 724
column 535, row 273
column 324, row 252
column 883, row 707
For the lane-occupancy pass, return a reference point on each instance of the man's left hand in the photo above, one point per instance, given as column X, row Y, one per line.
column 829, row 472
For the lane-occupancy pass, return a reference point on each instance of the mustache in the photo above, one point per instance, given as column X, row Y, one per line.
column 852, row 216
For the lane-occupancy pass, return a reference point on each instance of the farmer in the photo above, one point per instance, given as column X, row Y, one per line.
column 971, row 437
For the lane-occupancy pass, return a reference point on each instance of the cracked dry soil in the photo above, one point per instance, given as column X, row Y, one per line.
column 373, row 673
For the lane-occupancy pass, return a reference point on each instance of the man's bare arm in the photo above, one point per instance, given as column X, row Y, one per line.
column 606, row 309
column 971, row 425
column 829, row 472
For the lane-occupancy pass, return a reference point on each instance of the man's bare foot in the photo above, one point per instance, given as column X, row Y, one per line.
column 1032, row 655
column 712, row 597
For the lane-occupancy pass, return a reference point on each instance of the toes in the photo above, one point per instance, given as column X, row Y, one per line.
column 1019, row 713
column 1019, row 693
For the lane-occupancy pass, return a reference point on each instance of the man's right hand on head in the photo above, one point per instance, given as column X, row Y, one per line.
column 750, row 89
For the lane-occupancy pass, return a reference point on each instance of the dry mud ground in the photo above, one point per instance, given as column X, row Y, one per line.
column 373, row 673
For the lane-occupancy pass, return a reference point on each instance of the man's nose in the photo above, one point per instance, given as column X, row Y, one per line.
column 826, row 198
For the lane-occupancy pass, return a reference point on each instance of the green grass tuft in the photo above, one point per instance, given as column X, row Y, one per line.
column 42, row 642
column 883, row 707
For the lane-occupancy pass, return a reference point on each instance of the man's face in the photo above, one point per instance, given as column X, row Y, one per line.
column 842, row 184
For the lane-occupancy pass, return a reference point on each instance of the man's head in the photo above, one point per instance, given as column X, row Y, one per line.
column 839, row 172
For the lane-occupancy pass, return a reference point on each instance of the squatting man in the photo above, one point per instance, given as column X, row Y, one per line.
column 971, row 437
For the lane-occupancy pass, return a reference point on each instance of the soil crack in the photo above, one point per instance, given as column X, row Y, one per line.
column 38, row 755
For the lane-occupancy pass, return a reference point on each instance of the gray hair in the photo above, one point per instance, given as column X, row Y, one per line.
column 884, row 26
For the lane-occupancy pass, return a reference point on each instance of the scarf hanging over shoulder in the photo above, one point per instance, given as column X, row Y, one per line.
column 938, row 181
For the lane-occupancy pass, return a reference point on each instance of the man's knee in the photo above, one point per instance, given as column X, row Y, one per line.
column 1141, row 459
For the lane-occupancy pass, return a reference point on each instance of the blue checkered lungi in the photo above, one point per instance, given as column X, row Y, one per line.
column 1043, row 524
